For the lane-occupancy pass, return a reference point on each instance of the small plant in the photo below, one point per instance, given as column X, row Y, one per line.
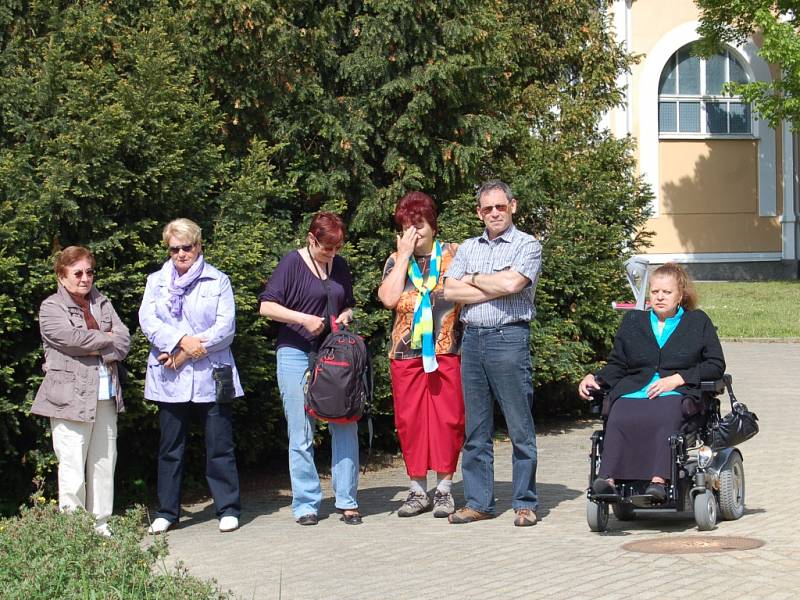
column 45, row 553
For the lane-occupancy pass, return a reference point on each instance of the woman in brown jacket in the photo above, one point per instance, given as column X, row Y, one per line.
column 83, row 341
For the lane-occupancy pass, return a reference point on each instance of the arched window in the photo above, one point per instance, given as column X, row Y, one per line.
column 690, row 98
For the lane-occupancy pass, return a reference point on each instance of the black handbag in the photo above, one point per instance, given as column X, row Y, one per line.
column 736, row 427
column 223, row 384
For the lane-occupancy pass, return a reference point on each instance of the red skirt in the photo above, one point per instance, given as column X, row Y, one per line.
column 428, row 414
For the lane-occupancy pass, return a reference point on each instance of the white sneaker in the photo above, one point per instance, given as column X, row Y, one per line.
column 228, row 523
column 160, row 525
column 103, row 530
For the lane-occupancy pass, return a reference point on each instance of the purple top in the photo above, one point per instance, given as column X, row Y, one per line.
column 295, row 286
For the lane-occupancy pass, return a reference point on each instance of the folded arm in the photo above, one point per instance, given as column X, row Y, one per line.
column 59, row 332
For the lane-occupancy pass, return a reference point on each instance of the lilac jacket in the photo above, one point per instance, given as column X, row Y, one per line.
column 209, row 312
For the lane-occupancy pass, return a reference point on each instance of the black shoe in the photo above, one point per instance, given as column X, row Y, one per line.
column 602, row 486
column 309, row 519
column 657, row 491
column 354, row 518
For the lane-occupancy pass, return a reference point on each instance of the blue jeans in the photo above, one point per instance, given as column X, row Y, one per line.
column 496, row 364
column 306, row 490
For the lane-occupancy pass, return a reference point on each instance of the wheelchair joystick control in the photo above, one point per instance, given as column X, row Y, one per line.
column 596, row 401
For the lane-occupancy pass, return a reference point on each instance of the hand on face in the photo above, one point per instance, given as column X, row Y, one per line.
column 418, row 236
column 407, row 242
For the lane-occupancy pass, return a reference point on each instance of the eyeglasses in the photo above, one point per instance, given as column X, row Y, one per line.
column 80, row 273
column 335, row 248
column 485, row 210
column 184, row 247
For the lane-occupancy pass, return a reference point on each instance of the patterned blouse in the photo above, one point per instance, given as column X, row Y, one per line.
column 446, row 326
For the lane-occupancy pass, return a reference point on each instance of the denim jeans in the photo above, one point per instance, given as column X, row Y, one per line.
column 496, row 365
column 221, row 472
column 306, row 489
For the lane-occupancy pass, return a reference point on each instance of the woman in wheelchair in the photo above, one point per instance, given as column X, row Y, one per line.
column 652, row 379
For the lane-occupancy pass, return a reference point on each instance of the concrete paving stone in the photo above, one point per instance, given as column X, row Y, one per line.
column 389, row 558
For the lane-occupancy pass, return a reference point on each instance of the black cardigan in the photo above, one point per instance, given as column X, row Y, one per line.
column 693, row 350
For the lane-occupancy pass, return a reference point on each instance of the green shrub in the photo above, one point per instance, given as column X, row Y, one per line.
column 248, row 117
column 47, row 554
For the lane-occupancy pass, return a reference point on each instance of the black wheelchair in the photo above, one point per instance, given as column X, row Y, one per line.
column 704, row 479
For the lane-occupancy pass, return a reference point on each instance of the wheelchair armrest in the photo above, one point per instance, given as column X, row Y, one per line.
column 714, row 387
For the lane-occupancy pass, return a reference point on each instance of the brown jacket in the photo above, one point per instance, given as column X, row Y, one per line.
column 72, row 356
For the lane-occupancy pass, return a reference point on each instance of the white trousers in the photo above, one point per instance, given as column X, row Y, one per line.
column 87, row 455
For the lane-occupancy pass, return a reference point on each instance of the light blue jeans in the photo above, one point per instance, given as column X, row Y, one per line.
column 306, row 490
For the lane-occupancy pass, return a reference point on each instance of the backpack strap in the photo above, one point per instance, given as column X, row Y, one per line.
column 327, row 285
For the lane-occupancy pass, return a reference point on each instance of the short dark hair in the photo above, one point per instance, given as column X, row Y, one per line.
column 491, row 185
column 69, row 256
column 414, row 206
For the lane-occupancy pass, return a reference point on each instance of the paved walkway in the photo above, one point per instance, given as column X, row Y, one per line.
column 271, row 557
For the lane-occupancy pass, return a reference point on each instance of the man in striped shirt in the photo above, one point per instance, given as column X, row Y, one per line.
column 495, row 276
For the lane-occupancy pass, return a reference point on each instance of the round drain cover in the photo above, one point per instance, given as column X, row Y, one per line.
column 693, row 544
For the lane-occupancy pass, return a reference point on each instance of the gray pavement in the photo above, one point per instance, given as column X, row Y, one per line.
column 271, row 557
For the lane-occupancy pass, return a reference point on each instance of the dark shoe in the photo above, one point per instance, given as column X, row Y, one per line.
column 657, row 491
column 468, row 515
column 309, row 519
column 351, row 517
column 603, row 487
column 525, row 517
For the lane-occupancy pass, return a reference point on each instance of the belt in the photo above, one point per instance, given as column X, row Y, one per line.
column 497, row 327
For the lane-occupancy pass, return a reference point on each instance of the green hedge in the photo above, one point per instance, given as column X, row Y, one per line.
column 249, row 117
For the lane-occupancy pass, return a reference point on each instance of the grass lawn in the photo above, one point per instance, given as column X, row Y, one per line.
column 752, row 309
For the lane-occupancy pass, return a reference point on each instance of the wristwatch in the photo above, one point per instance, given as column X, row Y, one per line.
column 472, row 279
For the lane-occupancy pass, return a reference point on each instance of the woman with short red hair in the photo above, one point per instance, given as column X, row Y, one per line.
column 424, row 356
column 296, row 297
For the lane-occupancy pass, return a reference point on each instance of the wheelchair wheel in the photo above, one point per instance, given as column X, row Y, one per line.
column 623, row 512
column 731, row 489
column 705, row 510
column 597, row 515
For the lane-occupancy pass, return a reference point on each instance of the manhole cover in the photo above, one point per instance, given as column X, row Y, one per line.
column 693, row 544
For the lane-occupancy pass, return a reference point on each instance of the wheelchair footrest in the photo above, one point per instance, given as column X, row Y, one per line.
column 646, row 500
column 606, row 497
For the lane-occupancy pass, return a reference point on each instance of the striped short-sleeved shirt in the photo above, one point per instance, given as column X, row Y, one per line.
column 513, row 250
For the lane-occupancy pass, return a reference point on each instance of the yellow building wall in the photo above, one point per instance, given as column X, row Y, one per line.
column 708, row 188
column 709, row 199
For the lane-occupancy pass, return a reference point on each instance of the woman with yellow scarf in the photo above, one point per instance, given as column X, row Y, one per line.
column 424, row 356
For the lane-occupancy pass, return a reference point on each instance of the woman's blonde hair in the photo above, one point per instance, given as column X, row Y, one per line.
column 183, row 229
column 686, row 288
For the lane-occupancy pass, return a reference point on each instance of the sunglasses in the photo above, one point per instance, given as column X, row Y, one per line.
column 80, row 273
column 184, row 247
column 485, row 210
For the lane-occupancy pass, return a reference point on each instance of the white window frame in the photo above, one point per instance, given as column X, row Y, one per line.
column 703, row 98
column 756, row 69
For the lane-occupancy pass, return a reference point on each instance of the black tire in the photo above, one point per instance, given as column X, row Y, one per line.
column 705, row 510
column 623, row 512
column 597, row 515
column 731, row 489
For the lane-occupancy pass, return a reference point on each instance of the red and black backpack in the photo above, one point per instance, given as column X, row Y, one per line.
column 339, row 387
